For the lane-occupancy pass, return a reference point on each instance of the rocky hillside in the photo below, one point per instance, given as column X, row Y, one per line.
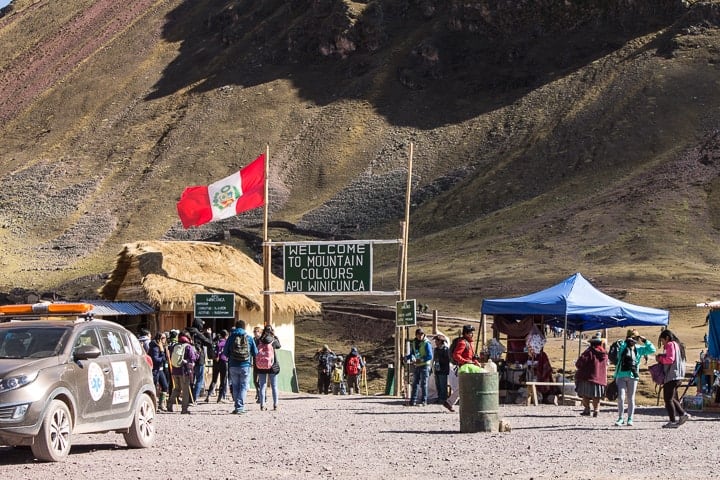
column 548, row 136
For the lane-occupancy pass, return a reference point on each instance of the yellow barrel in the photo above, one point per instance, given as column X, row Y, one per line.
column 479, row 401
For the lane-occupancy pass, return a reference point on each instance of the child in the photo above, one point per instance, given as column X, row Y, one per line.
column 337, row 377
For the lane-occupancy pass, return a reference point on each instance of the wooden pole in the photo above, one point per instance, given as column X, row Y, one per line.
column 267, row 260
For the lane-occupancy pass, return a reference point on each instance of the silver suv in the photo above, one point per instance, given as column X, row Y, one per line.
column 71, row 375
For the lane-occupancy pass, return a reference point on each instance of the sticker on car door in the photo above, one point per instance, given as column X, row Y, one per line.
column 96, row 381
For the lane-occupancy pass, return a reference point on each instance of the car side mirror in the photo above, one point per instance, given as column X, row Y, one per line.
column 86, row 352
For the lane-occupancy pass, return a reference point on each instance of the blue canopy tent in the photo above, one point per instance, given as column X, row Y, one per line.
column 575, row 304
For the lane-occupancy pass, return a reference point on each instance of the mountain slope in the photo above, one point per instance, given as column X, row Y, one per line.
column 549, row 137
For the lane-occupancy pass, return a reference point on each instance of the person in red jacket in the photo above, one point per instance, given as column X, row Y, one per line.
column 591, row 375
column 462, row 353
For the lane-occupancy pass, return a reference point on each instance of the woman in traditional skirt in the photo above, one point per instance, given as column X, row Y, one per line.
column 591, row 375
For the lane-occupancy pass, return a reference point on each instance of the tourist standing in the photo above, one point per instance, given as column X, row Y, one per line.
column 627, row 372
column 673, row 359
column 240, row 349
column 267, row 366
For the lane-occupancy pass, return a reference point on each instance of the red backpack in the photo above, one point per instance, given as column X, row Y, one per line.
column 265, row 357
column 353, row 365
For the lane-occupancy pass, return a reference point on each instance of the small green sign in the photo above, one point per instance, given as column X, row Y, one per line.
column 405, row 313
column 214, row 305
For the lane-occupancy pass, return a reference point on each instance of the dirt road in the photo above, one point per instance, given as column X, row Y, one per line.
column 378, row 438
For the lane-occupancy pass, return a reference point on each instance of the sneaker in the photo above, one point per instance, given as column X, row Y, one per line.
column 595, row 413
column 274, row 407
column 235, row 410
column 671, row 425
column 186, row 412
column 629, row 422
column 448, row 406
column 263, row 407
column 585, row 413
column 619, row 422
column 683, row 419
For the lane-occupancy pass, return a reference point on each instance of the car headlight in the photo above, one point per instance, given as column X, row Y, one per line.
column 17, row 381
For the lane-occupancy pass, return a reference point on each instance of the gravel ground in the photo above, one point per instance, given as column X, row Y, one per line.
column 377, row 438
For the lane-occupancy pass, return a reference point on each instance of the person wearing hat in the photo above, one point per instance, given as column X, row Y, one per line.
column 325, row 359
column 441, row 367
column 461, row 353
column 421, row 354
column 627, row 372
column 591, row 375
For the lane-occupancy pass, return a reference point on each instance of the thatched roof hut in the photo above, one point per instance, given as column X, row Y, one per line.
column 167, row 275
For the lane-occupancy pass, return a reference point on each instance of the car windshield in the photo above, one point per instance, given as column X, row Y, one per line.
column 25, row 342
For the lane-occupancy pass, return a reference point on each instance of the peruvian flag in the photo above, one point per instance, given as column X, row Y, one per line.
column 240, row 191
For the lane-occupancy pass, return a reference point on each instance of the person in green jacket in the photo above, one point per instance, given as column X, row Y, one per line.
column 627, row 372
column 421, row 353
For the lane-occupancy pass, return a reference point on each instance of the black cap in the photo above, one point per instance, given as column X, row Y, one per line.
column 419, row 330
column 468, row 329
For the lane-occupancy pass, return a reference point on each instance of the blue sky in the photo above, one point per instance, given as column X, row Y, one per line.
column 4, row 3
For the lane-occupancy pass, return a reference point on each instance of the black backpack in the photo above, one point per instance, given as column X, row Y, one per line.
column 613, row 352
column 628, row 362
column 453, row 346
column 240, row 350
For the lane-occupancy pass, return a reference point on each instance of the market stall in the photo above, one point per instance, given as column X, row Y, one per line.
column 708, row 382
column 573, row 304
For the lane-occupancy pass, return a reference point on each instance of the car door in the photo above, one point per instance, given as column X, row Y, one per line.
column 92, row 379
column 124, row 364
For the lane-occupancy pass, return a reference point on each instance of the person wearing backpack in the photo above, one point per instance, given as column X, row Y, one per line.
column 627, row 372
column 202, row 341
column 267, row 366
column 325, row 359
column 182, row 366
column 421, row 353
column 240, row 349
column 461, row 353
column 220, row 367
column 673, row 360
column 353, row 366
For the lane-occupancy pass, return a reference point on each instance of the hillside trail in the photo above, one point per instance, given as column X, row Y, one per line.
column 28, row 75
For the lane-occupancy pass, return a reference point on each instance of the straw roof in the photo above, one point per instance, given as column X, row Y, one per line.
column 167, row 275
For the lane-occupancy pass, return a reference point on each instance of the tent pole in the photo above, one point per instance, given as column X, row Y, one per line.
column 565, row 332
column 579, row 344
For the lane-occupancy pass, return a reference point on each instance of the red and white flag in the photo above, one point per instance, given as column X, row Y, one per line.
column 237, row 193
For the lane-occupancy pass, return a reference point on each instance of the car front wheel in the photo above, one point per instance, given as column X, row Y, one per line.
column 142, row 430
column 52, row 443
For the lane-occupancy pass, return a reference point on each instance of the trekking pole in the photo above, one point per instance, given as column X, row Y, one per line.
column 364, row 378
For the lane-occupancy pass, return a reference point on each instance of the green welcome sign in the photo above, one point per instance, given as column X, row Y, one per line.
column 328, row 267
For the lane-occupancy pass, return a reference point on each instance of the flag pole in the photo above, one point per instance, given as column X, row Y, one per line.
column 267, row 304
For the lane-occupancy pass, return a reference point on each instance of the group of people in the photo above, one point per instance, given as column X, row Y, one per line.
column 342, row 373
column 591, row 375
column 179, row 358
column 424, row 356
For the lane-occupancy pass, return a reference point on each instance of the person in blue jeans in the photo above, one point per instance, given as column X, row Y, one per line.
column 421, row 353
column 202, row 342
column 240, row 353
column 266, row 343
